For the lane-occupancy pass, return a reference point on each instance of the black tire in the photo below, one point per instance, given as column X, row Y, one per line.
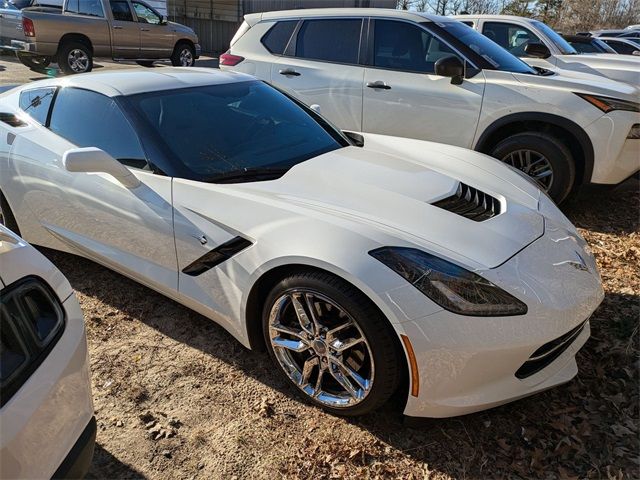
column 182, row 51
column 34, row 62
column 145, row 63
column 377, row 331
column 82, row 52
column 6, row 216
column 554, row 150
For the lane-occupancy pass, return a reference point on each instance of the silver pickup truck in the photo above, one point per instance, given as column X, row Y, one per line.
column 120, row 29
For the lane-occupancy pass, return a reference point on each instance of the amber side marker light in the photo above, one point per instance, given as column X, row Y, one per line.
column 413, row 366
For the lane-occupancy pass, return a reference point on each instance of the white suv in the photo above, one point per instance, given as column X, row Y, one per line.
column 46, row 411
column 539, row 45
column 432, row 78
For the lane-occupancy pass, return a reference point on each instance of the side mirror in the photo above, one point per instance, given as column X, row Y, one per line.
column 163, row 20
column 537, row 50
column 93, row 159
column 452, row 67
column 636, row 52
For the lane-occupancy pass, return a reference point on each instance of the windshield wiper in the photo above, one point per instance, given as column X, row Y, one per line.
column 248, row 175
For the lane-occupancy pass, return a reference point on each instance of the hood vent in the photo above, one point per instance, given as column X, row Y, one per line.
column 471, row 203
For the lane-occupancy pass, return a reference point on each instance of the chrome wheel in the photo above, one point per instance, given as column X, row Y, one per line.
column 321, row 348
column 78, row 60
column 186, row 57
column 534, row 164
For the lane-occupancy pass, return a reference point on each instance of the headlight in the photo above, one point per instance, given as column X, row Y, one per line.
column 450, row 286
column 608, row 104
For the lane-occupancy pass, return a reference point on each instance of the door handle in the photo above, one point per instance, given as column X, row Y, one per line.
column 117, row 27
column 379, row 84
column 289, row 71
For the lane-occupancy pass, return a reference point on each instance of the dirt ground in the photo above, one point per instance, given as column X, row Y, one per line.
column 178, row 397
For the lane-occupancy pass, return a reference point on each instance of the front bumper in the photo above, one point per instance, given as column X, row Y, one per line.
column 616, row 157
column 78, row 460
column 467, row 364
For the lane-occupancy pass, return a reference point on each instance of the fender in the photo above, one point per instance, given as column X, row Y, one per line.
column 573, row 128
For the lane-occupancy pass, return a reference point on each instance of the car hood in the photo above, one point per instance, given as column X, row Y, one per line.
column 583, row 82
column 392, row 183
column 622, row 68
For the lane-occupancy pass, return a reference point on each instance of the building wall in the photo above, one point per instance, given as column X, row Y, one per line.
column 216, row 21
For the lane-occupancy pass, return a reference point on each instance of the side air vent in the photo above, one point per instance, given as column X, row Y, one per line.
column 471, row 203
column 11, row 120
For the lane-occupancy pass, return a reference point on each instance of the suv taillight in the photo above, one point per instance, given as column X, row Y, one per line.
column 230, row 60
column 28, row 28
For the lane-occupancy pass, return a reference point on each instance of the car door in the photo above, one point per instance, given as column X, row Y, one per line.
column 125, row 30
column 320, row 66
column 127, row 229
column 403, row 96
column 156, row 36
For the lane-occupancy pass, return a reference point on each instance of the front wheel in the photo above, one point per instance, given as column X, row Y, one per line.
column 546, row 159
column 184, row 55
column 36, row 63
column 331, row 343
column 75, row 57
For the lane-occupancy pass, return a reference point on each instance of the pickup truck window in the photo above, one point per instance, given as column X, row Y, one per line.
column 121, row 11
column 145, row 14
column 90, row 8
column 89, row 119
column 36, row 103
column 510, row 36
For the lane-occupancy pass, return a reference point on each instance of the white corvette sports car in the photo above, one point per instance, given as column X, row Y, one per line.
column 362, row 262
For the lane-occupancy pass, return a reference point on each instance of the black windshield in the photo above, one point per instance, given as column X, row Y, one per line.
column 236, row 131
column 492, row 55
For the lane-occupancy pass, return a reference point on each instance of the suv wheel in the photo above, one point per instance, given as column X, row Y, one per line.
column 184, row 55
column 331, row 343
column 75, row 57
column 544, row 158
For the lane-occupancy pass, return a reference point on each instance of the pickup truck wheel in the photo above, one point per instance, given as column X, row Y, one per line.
column 544, row 158
column 34, row 62
column 75, row 57
column 184, row 55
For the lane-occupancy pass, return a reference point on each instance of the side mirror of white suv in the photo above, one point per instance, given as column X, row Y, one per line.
column 452, row 67
column 537, row 50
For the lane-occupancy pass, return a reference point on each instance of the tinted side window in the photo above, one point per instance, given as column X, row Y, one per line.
column 406, row 47
column 37, row 102
column 277, row 38
column 71, row 6
column 121, row 11
column 145, row 14
column 88, row 119
column 91, row 8
column 621, row 47
column 330, row 40
column 510, row 36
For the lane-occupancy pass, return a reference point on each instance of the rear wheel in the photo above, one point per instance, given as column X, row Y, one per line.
column 184, row 55
column 543, row 157
column 331, row 343
column 6, row 216
column 34, row 62
column 75, row 57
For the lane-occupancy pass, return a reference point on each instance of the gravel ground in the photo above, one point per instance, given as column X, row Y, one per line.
column 178, row 397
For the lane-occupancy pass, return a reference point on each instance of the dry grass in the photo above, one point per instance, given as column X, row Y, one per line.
column 177, row 397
